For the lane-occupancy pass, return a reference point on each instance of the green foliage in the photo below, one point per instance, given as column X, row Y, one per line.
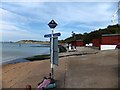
column 62, row 49
column 88, row 37
column 76, row 37
column 60, row 41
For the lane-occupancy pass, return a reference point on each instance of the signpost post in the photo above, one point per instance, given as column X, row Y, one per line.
column 52, row 24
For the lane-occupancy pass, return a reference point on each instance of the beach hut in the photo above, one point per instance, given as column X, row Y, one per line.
column 109, row 41
column 96, row 42
column 77, row 43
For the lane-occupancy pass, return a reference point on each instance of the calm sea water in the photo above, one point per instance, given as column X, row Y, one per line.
column 12, row 51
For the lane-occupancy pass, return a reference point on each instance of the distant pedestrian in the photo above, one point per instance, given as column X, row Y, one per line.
column 70, row 47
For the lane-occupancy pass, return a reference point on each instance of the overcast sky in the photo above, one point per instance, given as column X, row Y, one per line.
column 28, row 20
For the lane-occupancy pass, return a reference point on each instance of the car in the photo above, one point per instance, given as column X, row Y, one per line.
column 118, row 46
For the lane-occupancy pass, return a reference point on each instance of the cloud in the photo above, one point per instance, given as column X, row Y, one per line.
column 16, row 27
column 29, row 20
column 62, row 11
column 11, row 32
column 11, row 17
column 60, row 0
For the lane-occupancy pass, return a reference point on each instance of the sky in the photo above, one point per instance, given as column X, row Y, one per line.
column 28, row 20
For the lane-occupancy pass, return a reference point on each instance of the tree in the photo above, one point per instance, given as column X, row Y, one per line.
column 88, row 37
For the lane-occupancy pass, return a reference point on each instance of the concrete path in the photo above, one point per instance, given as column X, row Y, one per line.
column 98, row 70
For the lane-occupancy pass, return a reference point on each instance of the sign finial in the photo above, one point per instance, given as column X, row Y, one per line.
column 52, row 24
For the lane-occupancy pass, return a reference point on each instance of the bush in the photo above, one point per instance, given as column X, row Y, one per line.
column 62, row 49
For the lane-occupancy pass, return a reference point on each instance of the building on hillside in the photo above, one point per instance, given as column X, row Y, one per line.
column 109, row 41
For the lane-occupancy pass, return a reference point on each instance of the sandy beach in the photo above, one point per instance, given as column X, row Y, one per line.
column 96, row 69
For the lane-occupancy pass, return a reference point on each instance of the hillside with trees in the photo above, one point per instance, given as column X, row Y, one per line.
column 88, row 37
column 32, row 42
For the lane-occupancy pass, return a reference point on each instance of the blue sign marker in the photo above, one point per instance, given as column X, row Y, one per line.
column 52, row 24
column 47, row 35
column 55, row 34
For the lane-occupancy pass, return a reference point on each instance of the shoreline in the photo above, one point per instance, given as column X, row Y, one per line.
column 15, row 61
column 35, row 57
column 46, row 57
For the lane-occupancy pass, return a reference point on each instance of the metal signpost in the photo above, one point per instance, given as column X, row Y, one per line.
column 52, row 24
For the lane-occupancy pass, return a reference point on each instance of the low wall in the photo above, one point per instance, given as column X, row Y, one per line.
column 107, row 47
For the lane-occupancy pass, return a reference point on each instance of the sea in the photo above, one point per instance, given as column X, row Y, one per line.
column 15, row 52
